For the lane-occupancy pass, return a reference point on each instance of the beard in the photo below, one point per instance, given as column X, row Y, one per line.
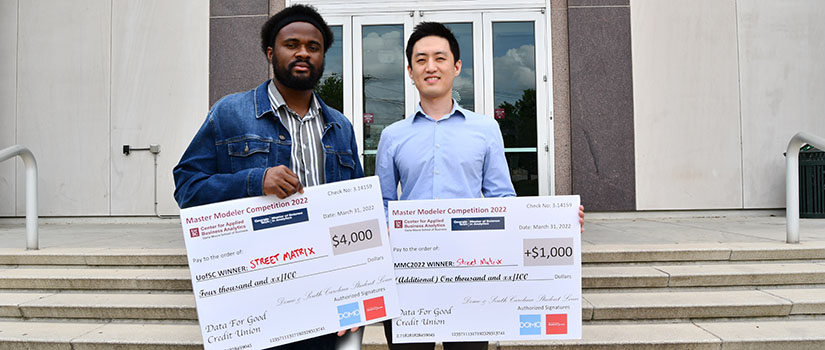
column 285, row 76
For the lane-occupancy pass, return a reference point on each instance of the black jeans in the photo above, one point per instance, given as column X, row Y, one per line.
column 324, row 342
column 476, row 345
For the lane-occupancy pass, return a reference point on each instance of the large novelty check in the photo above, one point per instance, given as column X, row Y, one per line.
column 487, row 269
column 267, row 272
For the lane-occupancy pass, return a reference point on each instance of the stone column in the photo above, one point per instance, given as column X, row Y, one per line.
column 236, row 62
column 601, row 104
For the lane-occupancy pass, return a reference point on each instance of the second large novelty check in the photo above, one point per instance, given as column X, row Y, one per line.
column 487, row 269
column 267, row 272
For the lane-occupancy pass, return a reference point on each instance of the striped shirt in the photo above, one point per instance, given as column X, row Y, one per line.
column 307, row 160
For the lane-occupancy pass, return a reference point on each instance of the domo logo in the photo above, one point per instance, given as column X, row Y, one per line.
column 529, row 324
column 349, row 314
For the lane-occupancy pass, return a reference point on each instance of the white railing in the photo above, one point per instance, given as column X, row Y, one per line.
column 792, row 181
column 32, row 242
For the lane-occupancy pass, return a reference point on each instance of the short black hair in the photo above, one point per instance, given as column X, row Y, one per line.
column 294, row 13
column 425, row 29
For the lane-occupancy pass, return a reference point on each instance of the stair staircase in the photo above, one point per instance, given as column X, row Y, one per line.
column 676, row 296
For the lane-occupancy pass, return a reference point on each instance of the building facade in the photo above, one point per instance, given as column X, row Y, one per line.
column 632, row 104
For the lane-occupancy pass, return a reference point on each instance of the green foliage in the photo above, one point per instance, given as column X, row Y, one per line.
column 519, row 124
column 331, row 91
column 518, row 128
column 369, row 164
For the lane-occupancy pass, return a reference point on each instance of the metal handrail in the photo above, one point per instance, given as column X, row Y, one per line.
column 792, row 181
column 32, row 242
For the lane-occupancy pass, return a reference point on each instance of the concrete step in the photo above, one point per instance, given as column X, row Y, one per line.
column 695, row 252
column 805, row 301
column 614, row 253
column 688, row 305
column 596, row 306
column 139, row 306
column 98, row 336
column 744, row 274
column 623, row 277
column 792, row 334
column 95, row 279
column 593, row 277
column 704, row 275
column 94, row 257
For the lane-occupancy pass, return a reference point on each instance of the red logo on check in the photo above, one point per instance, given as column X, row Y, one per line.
column 194, row 232
column 557, row 324
column 374, row 308
column 399, row 224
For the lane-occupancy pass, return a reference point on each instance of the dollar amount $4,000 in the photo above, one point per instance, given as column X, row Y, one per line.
column 355, row 236
column 352, row 238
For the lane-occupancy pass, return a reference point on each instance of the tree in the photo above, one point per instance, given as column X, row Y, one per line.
column 518, row 127
column 331, row 91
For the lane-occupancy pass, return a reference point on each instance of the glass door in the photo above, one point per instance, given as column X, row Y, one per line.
column 382, row 91
column 504, row 75
column 468, row 87
column 503, row 56
column 515, row 94
column 335, row 86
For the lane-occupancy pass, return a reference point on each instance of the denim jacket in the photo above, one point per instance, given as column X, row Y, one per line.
column 242, row 137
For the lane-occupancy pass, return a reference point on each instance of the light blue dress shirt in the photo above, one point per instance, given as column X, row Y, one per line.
column 459, row 156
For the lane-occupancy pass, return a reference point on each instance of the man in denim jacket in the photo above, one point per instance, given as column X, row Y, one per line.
column 276, row 138
column 245, row 147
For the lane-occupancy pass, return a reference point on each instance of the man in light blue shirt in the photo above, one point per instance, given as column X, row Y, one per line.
column 458, row 154
column 442, row 151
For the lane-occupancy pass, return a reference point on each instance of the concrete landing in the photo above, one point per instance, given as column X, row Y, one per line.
column 599, row 229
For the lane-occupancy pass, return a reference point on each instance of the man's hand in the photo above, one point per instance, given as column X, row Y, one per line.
column 281, row 182
column 353, row 330
column 581, row 217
